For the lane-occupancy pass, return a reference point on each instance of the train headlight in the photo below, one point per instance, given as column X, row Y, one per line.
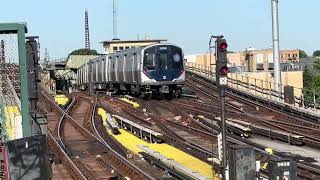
column 176, row 58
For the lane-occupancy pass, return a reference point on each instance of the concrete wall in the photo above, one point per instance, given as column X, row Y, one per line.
column 266, row 80
column 262, row 79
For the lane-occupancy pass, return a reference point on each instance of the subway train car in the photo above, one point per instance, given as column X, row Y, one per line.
column 156, row 69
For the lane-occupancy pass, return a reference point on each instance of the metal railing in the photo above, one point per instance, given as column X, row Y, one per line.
column 262, row 88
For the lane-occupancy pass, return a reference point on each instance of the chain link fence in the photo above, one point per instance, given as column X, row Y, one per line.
column 10, row 105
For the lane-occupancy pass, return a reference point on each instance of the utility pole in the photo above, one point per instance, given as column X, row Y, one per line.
column 276, row 47
column 115, row 20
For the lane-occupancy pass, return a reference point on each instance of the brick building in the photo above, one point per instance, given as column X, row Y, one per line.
column 252, row 59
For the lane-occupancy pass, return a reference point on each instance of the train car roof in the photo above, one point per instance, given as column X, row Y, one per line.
column 132, row 50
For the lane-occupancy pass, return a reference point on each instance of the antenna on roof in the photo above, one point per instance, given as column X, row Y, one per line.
column 115, row 21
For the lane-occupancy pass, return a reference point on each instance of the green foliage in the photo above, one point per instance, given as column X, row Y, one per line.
column 307, row 76
column 311, row 83
column 84, row 52
column 316, row 53
column 316, row 66
column 302, row 54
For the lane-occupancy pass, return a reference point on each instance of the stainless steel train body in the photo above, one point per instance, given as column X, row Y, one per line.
column 153, row 69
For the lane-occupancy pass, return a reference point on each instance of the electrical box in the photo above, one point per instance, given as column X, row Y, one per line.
column 27, row 158
column 282, row 169
column 242, row 163
column 289, row 94
column 32, row 66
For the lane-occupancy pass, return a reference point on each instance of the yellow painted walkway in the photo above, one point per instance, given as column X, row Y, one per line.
column 103, row 115
column 134, row 104
column 130, row 141
column 61, row 99
column 11, row 113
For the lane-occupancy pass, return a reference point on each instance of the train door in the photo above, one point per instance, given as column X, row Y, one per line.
column 161, row 64
column 103, row 70
column 134, row 69
column 120, row 68
column 84, row 74
column 116, row 68
column 91, row 69
column 87, row 73
column 112, row 77
column 139, row 68
column 129, row 60
column 100, row 73
column 108, row 68
column 124, row 69
column 80, row 74
column 97, row 70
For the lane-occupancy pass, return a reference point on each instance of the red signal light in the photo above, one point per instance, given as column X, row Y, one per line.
column 224, row 70
column 223, row 46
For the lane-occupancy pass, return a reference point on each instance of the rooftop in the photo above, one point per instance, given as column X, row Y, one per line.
column 134, row 41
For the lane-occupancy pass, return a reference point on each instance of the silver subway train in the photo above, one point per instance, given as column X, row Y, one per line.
column 150, row 70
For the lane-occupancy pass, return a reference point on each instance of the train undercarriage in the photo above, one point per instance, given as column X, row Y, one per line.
column 143, row 91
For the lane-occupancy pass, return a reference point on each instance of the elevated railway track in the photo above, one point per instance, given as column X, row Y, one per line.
column 190, row 128
column 187, row 133
column 254, row 112
column 85, row 152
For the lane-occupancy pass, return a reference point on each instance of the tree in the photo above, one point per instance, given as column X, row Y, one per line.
column 307, row 77
column 311, row 83
column 316, row 53
column 84, row 52
column 302, row 54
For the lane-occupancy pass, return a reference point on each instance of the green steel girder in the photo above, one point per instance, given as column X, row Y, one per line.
column 20, row 29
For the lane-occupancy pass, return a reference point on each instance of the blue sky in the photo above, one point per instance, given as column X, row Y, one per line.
column 59, row 23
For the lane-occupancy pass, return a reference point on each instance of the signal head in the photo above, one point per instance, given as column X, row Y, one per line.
column 223, row 46
column 224, row 70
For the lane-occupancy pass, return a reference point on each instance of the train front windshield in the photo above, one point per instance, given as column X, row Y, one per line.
column 163, row 57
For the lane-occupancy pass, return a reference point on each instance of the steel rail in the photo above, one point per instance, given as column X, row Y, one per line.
column 61, row 121
column 101, row 141
column 113, row 151
column 70, row 164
